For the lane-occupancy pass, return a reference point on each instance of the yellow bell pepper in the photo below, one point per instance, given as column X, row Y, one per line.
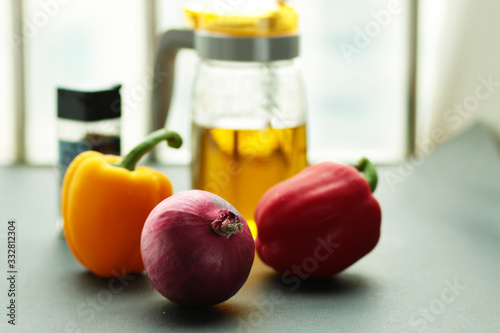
column 105, row 202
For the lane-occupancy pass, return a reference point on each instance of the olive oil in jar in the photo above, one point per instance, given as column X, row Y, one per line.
column 240, row 165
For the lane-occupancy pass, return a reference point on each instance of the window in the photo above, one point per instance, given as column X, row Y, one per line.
column 7, row 107
column 79, row 43
column 354, row 60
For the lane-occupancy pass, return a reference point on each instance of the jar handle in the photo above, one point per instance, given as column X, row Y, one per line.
column 170, row 43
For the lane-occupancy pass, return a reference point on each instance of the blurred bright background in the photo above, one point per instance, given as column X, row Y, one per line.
column 356, row 62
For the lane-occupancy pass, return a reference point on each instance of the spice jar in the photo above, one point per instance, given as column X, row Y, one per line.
column 87, row 120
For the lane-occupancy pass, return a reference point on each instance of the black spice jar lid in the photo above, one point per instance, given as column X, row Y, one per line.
column 89, row 105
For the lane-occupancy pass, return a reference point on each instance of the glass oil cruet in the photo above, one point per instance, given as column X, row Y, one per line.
column 248, row 105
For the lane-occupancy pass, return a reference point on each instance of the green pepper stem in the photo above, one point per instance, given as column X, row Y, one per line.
column 130, row 160
column 369, row 172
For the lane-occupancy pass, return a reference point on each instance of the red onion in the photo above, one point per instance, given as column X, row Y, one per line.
column 197, row 249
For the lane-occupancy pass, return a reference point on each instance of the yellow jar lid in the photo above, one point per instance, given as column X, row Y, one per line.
column 281, row 20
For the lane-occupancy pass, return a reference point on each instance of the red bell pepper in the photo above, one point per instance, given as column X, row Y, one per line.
column 320, row 221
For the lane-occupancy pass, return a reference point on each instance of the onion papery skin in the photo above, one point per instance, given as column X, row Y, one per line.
column 189, row 262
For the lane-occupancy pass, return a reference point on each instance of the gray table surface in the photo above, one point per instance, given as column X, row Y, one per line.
column 436, row 268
